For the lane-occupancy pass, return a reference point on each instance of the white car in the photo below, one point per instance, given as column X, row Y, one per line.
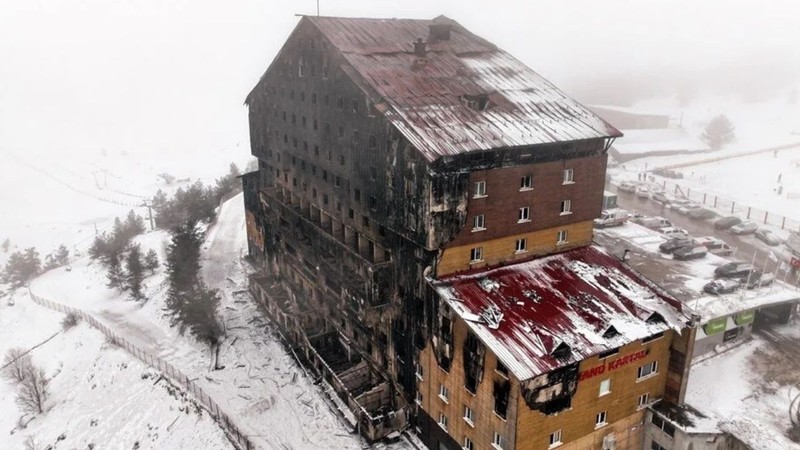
column 673, row 233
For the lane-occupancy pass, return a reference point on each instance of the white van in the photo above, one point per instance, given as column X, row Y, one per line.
column 611, row 218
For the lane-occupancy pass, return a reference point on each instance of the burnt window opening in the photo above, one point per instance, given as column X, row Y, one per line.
column 324, row 175
column 473, row 362
column 562, row 351
column 365, row 221
column 356, row 137
column 315, row 125
column 357, row 195
column 373, row 202
column 325, row 199
column 316, row 150
column 382, row 231
column 444, row 344
column 610, row 332
column 478, row 102
column 500, row 393
column 653, row 337
column 355, row 106
column 373, row 173
column 303, row 121
column 655, row 318
column 341, row 160
column 373, row 142
column 608, row 353
column 501, row 368
column 351, row 213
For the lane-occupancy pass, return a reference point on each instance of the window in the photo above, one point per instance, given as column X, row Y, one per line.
column 524, row 214
column 647, row 370
column 522, row 245
column 418, row 370
column 365, row 221
column 605, row 387
column 443, row 392
column 660, row 423
column 468, row 444
column 373, row 203
column 357, row 195
column 562, row 237
column 526, row 183
column 568, row 176
column 443, row 421
column 468, row 415
column 653, row 337
column 480, row 189
column 644, row 399
column 501, row 368
column 600, row 419
column 418, row 399
column 566, row 205
column 498, row 441
column 478, row 223
column 654, row 446
column 476, row 254
column 555, row 439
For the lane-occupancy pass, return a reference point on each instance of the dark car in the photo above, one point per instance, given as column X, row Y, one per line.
column 758, row 281
column 727, row 222
column 721, row 286
column 747, row 227
column 767, row 236
column 702, row 214
column 690, row 252
column 674, row 244
column 734, row 269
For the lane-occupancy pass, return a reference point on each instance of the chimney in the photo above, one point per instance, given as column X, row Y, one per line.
column 439, row 32
column 419, row 47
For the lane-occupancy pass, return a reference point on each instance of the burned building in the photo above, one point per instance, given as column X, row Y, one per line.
column 396, row 155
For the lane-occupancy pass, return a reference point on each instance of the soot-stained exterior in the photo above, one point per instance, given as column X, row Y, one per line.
column 397, row 156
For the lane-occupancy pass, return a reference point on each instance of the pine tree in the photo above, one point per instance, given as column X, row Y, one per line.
column 62, row 255
column 183, row 272
column 718, row 132
column 151, row 261
column 115, row 275
column 21, row 266
column 6, row 245
column 134, row 224
column 135, row 272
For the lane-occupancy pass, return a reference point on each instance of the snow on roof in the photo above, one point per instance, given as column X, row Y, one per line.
column 658, row 140
column 637, row 110
column 431, row 100
column 572, row 298
column 710, row 307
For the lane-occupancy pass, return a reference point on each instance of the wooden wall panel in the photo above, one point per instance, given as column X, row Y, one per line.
column 623, row 415
column 486, row 422
column 502, row 250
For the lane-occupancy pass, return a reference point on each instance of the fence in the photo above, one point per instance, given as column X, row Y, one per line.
column 727, row 206
column 239, row 438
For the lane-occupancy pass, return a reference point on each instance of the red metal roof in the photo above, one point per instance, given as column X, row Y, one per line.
column 422, row 96
column 570, row 298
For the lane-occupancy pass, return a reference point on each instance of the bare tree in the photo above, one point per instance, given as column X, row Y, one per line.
column 15, row 362
column 32, row 391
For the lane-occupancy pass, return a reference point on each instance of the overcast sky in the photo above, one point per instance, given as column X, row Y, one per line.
column 157, row 75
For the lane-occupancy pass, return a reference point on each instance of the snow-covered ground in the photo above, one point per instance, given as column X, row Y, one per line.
column 748, row 391
column 261, row 385
column 99, row 394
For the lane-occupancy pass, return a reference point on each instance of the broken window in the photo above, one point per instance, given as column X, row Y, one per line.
column 501, row 368
column 478, row 102
column 501, row 391
column 473, row 362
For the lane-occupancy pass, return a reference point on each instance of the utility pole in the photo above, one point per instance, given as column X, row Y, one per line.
column 149, row 214
column 317, row 8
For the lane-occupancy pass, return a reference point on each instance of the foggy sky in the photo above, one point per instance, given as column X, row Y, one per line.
column 161, row 75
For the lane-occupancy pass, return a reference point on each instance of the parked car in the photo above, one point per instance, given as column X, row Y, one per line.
column 643, row 192
column 653, row 223
column 691, row 206
column 758, row 281
column 734, row 269
column 690, row 252
column 674, row 233
column 727, row 222
column 721, row 286
column 702, row 214
column 679, row 203
column 714, row 245
column 746, row 227
column 661, row 197
column 766, row 236
column 611, row 218
column 673, row 244
column 627, row 186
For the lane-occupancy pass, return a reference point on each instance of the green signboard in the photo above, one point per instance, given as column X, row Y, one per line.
column 715, row 326
column 744, row 317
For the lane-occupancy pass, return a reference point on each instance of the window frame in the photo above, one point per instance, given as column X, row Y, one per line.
column 523, row 248
column 444, row 393
column 524, row 215
column 607, row 383
column 569, row 176
column 561, row 240
column 555, row 438
column 601, row 419
column 526, row 183
column 469, row 416
column 645, row 403
column 653, row 371
column 468, row 444
column 479, row 189
column 566, row 207
column 443, row 421
column 476, row 255
column 498, row 441
column 476, row 219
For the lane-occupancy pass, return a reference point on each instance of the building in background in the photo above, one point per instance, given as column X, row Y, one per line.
column 411, row 174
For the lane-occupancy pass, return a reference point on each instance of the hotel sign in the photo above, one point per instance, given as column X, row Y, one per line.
column 608, row 366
